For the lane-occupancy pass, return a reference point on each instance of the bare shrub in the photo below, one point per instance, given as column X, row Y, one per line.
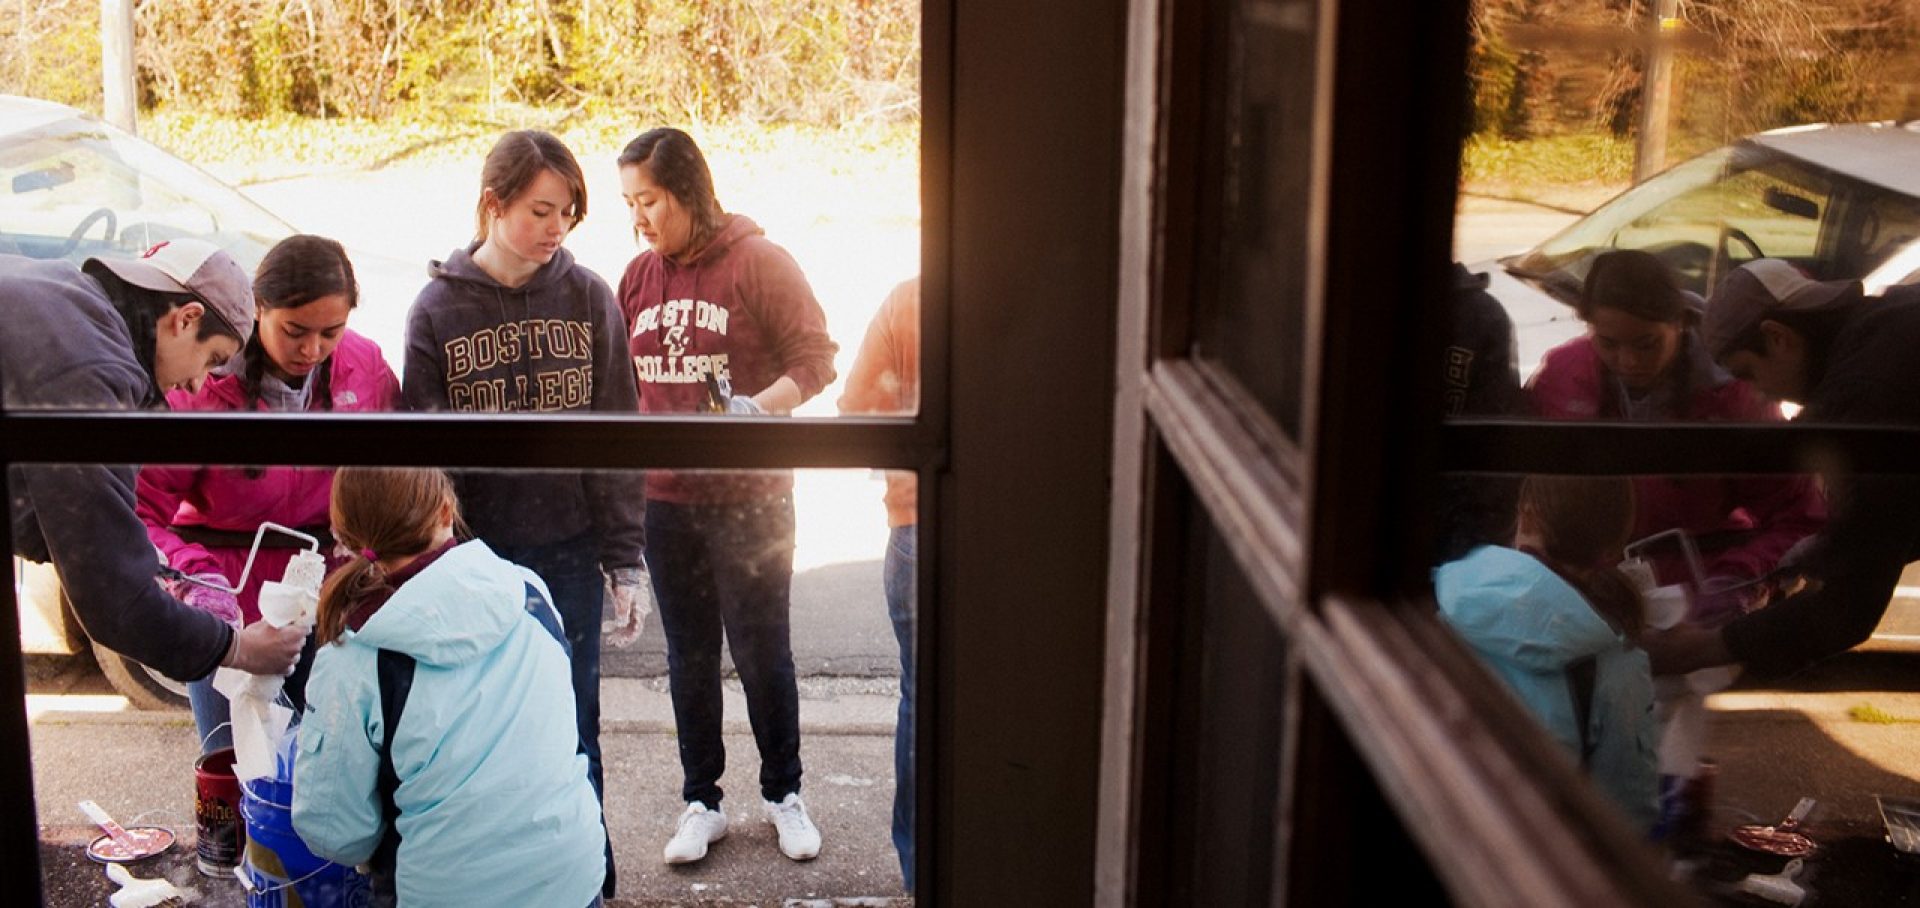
column 817, row 62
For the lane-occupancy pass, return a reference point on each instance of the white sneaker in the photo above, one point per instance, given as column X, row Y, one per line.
column 699, row 827
column 799, row 839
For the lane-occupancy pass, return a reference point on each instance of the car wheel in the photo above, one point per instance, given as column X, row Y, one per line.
column 143, row 687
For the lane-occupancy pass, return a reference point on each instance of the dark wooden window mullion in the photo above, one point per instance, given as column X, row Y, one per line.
column 445, row 440
column 20, row 840
column 1627, row 449
column 1236, row 475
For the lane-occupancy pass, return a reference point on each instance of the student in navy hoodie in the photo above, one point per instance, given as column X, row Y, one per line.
column 720, row 318
column 510, row 323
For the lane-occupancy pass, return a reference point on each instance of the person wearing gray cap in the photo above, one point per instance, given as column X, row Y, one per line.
column 1847, row 359
column 116, row 334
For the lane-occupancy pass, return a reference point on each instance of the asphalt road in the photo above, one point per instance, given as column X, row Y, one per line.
column 139, row 766
column 1804, row 737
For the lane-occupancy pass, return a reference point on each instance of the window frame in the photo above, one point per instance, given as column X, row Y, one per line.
column 1317, row 526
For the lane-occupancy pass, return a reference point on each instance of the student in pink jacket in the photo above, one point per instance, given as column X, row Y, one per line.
column 1642, row 360
column 301, row 358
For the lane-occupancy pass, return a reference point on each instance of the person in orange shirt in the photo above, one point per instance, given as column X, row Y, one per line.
column 885, row 379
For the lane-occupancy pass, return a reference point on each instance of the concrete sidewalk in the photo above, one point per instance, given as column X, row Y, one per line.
column 139, row 766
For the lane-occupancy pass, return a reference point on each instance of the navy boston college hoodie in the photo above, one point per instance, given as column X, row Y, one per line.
column 555, row 344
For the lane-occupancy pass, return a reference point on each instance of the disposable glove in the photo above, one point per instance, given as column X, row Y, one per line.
column 629, row 591
column 1723, row 598
column 721, row 399
column 262, row 649
column 194, row 590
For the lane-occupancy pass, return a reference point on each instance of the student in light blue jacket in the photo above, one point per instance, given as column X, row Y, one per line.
column 1557, row 621
column 488, row 786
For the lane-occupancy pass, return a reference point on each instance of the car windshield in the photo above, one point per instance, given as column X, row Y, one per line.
column 1728, row 207
column 80, row 189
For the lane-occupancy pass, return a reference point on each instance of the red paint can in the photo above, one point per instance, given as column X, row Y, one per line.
column 216, row 813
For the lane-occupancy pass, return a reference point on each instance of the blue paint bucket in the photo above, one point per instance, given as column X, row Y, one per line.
column 280, row 870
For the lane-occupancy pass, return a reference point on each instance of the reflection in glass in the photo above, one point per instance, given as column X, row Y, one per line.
column 1252, row 259
column 1790, row 196
column 1553, row 616
column 1644, row 359
column 1685, row 756
column 817, row 655
column 81, row 188
column 1230, row 725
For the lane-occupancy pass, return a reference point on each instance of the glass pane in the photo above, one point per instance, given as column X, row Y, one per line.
column 1229, row 725
column 81, row 189
column 826, row 286
column 1601, row 603
column 790, row 604
column 1252, row 244
column 1776, row 143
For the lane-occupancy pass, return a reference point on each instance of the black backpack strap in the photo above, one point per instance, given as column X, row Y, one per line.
column 396, row 682
column 549, row 618
column 1580, row 682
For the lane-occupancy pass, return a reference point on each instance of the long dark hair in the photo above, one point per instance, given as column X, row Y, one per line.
column 296, row 271
column 1638, row 283
column 141, row 310
column 388, row 511
column 513, row 164
column 1642, row 285
column 672, row 159
column 1582, row 523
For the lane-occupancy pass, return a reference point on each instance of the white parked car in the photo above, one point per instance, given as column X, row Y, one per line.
column 1840, row 201
column 78, row 188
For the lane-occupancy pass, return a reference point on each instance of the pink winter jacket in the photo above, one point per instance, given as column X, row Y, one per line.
column 226, row 498
column 1743, row 524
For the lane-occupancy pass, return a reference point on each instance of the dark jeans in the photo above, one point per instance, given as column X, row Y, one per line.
column 897, row 581
column 572, row 572
column 728, row 568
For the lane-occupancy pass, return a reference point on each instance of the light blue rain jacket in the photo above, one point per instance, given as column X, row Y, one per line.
column 495, row 807
column 1529, row 625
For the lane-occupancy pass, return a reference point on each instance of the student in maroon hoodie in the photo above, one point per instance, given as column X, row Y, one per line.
column 720, row 318
column 510, row 323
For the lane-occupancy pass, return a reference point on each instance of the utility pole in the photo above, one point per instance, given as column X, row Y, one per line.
column 116, row 63
column 1656, row 93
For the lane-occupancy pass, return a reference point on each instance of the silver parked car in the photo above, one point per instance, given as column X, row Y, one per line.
column 78, row 188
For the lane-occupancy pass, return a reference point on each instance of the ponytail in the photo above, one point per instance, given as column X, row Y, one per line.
column 379, row 512
column 1612, row 594
column 1581, row 525
column 345, row 588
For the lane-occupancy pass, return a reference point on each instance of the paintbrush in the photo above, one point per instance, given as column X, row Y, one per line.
column 138, row 893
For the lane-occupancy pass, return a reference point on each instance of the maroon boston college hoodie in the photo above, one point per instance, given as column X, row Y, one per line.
column 739, row 307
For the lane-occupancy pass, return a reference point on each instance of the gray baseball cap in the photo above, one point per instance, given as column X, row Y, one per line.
column 197, row 267
column 1755, row 291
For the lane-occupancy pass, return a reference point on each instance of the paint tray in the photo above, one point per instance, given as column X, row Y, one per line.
column 1902, row 816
